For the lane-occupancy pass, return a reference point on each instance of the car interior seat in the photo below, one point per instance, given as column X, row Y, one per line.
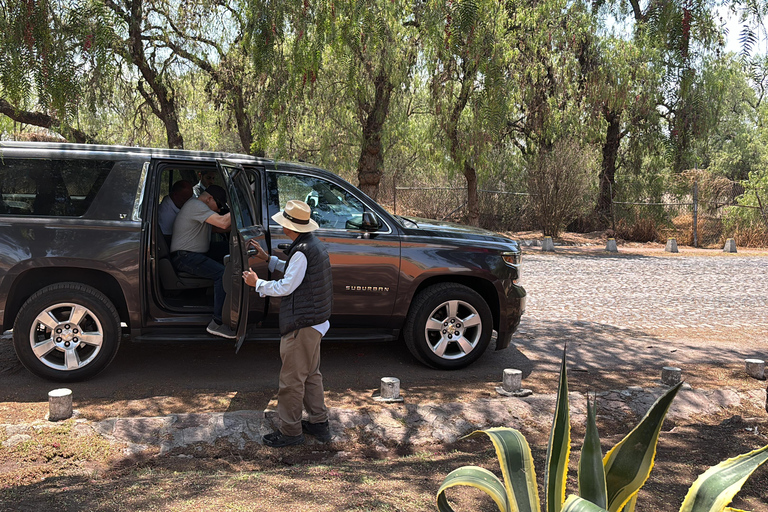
column 170, row 279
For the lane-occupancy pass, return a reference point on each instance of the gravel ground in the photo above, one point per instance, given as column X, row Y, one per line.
column 631, row 311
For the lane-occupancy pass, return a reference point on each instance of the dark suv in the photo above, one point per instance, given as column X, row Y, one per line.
column 83, row 262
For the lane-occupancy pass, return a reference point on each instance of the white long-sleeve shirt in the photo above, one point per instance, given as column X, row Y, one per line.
column 292, row 278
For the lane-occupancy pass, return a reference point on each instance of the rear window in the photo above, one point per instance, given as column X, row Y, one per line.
column 50, row 188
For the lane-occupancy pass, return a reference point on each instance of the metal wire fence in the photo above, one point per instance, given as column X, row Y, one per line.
column 499, row 210
column 692, row 222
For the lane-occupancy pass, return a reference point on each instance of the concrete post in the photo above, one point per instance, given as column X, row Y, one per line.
column 389, row 391
column 671, row 245
column 730, row 245
column 755, row 368
column 548, row 245
column 59, row 404
column 511, row 384
column 670, row 375
column 512, row 380
column 390, row 387
column 611, row 245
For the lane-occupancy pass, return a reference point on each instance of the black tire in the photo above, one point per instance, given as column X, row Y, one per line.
column 451, row 305
column 79, row 338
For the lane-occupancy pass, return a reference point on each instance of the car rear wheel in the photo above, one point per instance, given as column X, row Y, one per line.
column 449, row 326
column 67, row 332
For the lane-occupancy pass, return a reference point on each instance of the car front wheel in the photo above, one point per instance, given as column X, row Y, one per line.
column 449, row 326
column 67, row 332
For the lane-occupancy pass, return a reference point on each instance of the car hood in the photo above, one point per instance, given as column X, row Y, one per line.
column 436, row 228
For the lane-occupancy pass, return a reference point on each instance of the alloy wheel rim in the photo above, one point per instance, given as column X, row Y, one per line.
column 66, row 336
column 453, row 329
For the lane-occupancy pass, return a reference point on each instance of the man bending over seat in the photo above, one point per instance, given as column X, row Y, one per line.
column 191, row 243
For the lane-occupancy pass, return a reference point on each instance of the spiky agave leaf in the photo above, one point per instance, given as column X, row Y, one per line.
column 519, row 487
column 577, row 504
column 716, row 487
column 629, row 463
column 559, row 449
column 630, row 505
column 516, row 462
column 479, row 478
column 591, row 474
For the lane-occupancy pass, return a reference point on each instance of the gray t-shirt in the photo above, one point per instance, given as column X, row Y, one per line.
column 190, row 231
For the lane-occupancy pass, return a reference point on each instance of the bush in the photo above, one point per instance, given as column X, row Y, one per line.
column 641, row 230
column 562, row 184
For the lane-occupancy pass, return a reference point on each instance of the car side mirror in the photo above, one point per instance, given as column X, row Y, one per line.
column 370, row 222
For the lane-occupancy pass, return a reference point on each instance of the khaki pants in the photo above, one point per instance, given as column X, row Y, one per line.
column 301, row 383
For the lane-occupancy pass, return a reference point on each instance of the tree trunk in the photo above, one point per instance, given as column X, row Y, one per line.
column 608, row 168
column 243, row 122
column 369, row 166
column 164, row 103
column 473, row 202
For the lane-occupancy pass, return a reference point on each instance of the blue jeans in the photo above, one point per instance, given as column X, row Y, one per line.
column 200, row 265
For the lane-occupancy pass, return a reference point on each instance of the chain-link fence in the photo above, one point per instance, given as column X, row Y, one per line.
column 696, row 220
column 499, row 210
column 694, row 224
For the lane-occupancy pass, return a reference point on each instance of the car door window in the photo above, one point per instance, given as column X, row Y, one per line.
column 333, row 207
column 50, row 188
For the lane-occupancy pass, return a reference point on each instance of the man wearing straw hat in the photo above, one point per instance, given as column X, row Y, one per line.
column 307, row 292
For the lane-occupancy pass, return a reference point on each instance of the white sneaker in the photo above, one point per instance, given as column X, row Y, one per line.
column 221, row 330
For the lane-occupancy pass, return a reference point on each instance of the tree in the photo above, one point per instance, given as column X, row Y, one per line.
column 622, row 86
column 466, row 49
column 142, row 45
column 355, row 56
column 54, row 62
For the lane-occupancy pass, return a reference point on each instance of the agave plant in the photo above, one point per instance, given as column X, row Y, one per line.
column 610, row 483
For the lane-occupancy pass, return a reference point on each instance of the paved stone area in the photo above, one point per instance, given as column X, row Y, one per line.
column 632, row 311
column 646, row 292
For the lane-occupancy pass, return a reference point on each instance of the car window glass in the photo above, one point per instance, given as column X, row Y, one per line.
column 240, row 208
column 333, row 207
column 51, row 188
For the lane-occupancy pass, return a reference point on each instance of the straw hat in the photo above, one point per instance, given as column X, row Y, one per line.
column 296, row 216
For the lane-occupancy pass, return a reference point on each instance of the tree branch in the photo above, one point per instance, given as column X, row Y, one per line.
column 44, row 121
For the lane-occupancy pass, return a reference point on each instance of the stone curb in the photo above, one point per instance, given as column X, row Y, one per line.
column 400, row 424
column 406, row 424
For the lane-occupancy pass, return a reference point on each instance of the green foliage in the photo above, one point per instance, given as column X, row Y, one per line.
column 610, row 484
column 52, row 54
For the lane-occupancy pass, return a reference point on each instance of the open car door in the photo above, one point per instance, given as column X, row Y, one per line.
column 245, row 227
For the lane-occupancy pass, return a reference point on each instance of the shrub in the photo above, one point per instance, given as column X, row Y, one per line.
column 562, row 184
column 641, row 230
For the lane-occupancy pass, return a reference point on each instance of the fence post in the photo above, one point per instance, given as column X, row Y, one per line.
column 394, row 195
column 695, row 213
column 613, row 211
